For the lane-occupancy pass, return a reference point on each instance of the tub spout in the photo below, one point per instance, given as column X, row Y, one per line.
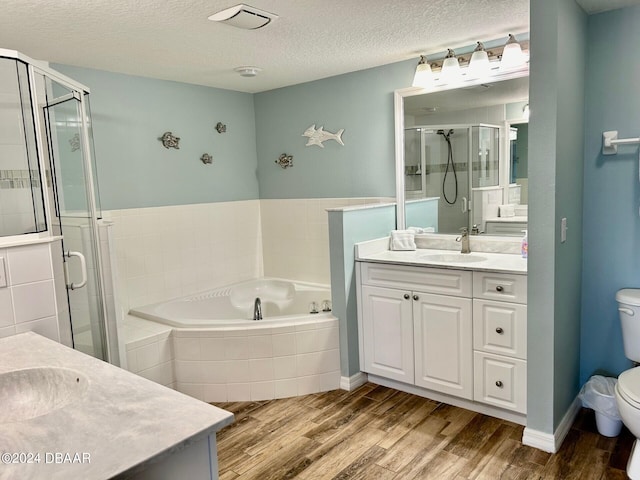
column 257, row 309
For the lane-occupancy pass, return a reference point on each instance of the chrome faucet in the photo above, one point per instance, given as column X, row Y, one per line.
column 464, row 240
column 257, row 309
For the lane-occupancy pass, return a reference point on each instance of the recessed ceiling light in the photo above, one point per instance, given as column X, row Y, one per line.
column 248, row 71
column 244, row 16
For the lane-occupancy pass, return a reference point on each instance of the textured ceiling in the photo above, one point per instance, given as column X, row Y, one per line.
column 312, row 39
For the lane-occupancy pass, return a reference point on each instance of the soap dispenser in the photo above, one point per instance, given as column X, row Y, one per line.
column 524, row 249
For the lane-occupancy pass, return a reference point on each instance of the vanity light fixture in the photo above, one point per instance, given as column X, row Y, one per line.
column 479, row 63
column 424, row 75
column 512, row 55
column 475, row 65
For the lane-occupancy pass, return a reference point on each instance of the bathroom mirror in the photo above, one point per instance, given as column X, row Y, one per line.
column 461, row 156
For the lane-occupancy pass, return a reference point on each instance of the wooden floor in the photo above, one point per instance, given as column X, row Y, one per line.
column 376, row 432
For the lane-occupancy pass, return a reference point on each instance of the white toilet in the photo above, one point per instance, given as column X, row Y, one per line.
column 628, row 386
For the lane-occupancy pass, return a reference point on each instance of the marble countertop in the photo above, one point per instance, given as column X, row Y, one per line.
column 489, row 262
column 121, row 420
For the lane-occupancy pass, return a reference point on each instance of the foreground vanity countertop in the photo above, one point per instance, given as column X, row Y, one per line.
column 477, row 261
column 122, row 421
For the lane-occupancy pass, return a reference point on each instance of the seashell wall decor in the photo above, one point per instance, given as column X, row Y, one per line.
column 285, row 160
column 206, row 158
column 169, row 140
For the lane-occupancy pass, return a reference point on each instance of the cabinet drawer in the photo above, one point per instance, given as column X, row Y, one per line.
column 500, row 286
column 500, row 327
column 500, row 381
column 426, row 279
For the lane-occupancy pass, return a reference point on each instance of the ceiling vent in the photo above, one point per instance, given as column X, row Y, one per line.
column 244, row 16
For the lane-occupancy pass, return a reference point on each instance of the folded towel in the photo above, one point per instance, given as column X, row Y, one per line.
column 417, row 230
column 402, row 240
column 507, row 210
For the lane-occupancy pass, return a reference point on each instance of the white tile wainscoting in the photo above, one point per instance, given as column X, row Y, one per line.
column 169, row 252
column 238, row 364
column 29, row 301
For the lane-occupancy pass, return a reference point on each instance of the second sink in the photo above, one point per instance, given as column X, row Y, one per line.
column 33, row 392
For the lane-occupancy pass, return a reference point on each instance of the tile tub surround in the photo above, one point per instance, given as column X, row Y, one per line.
column 137, row 420
column 149, row 350
column 295, row 236
column 236, row 364
column 169, row 252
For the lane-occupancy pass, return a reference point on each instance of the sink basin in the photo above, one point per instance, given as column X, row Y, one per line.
column 453, row 258
column 33, row 392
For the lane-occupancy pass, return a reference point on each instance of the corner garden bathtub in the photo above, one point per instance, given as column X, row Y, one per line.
column 221, row 354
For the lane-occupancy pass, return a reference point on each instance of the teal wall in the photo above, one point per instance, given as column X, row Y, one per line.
column 422, row 213
column 556, row 132
column 134, row 169
column 346, row 228
column 611, row 221
column 361, row 103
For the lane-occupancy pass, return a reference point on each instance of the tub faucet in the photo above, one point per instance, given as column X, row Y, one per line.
column 464, row 240
column 257, row 309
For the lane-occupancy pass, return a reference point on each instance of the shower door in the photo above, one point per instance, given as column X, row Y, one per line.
column 70, row 149
column 446, row 166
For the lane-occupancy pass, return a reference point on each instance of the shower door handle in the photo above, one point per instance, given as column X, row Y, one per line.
column 83, row 270
column 465, row 205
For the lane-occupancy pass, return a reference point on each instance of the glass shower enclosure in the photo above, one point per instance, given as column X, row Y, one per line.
column 48, row 183
column 447, row 162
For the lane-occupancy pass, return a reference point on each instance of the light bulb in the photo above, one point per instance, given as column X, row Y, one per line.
column 423, row 76
column 479, row 63
column 450, row 73
column 512, row 55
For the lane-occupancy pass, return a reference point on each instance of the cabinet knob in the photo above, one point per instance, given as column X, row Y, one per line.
column 499, row 330
column 416, row 297
column 499, row 384
column 499, row 288
column 407, row 296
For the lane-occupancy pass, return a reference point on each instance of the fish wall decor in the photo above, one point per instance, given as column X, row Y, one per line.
column 318, row 136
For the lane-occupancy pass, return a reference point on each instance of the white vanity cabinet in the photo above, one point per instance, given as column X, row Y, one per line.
column 457, row 332
column 500, row 340
column 416, row 326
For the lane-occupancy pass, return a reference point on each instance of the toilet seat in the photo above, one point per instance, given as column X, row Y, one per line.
column 629, row 296
column 629, row 386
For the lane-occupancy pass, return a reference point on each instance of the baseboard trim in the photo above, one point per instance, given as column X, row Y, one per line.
column 353, row 382
column 552, row 442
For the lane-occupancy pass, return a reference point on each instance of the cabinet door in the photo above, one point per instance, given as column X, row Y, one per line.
column 443, row 344
column 387, row 326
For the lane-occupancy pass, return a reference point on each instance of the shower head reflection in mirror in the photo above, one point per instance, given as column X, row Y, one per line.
column 490, row 161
